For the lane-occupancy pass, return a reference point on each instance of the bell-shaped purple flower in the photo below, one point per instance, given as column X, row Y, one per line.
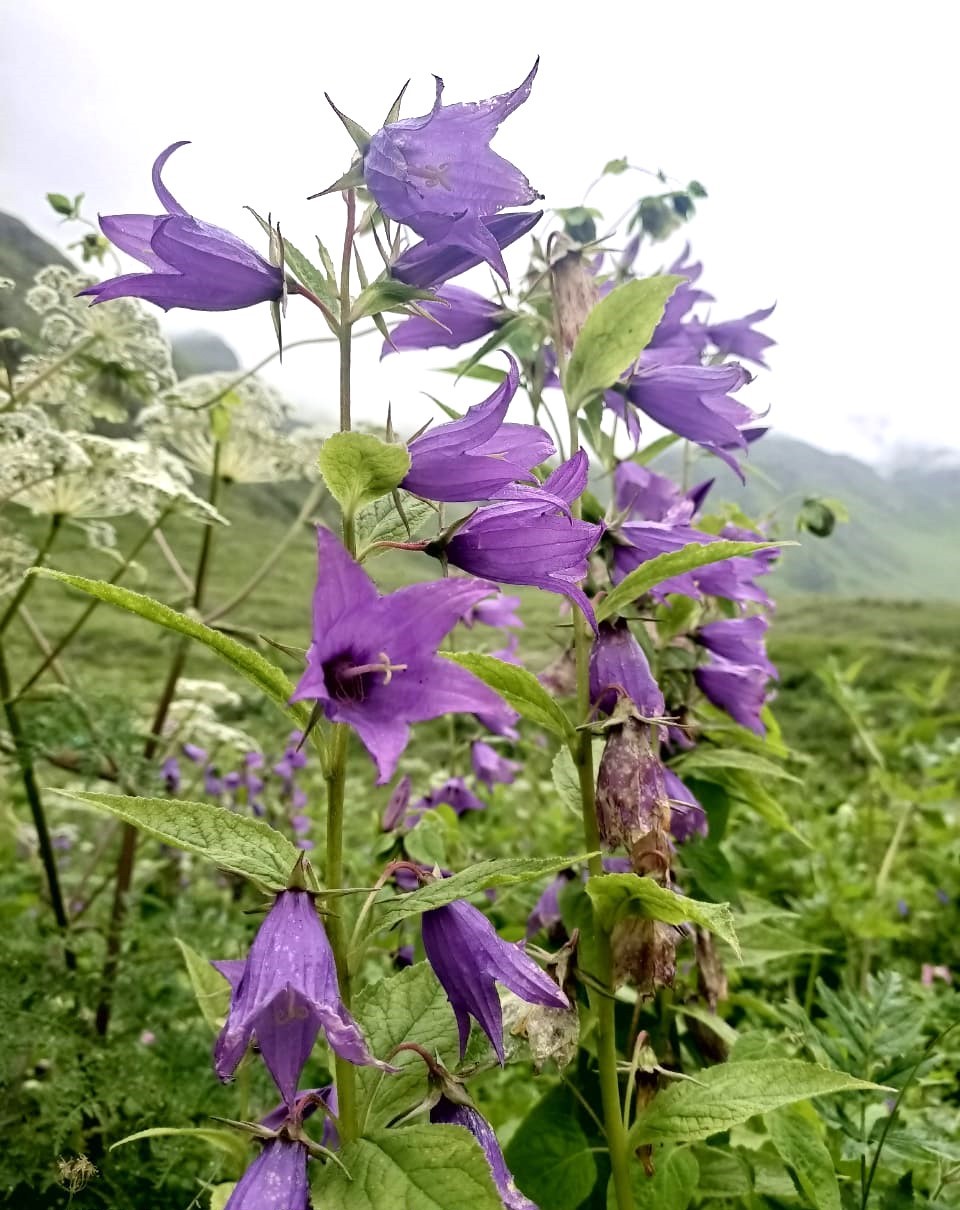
column 619, row 668
column 495, row 611
column 737, row 338
column 738, row 689
column 477, row 456
column 740, row 640
column 431, row 263
column 646, row 496
column 687, row 816
column 372, row 663
column 276, row 1180
column 448, row 1111
column 285, row 992
column 490, row 767
column 170, row 774
column 460, row 315
column 438, row 176
column 531, row 540
column 695, row 402
column 468, row 958
column 192, row 264
column 453, row 793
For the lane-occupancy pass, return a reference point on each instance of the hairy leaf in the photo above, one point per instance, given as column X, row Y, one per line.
column 518, row 688
column 617, row 895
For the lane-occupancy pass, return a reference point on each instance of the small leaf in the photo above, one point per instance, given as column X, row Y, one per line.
column 386, row 294
column 566, row 780
column 428, row 1167
column 616, row 332
column 550, row 1156
column 408, row 1007
column 518, row 688
column 356, row 132
column 359, row 468
column 243, row 845
column 227, row 1141
column 730, row 1093
column 62, row 204
column 618, row 895
column 795, row 1134
column 616, row 167
column 320, row 283
column 664, row 567
column 267, row 677
column 381, row 521
column 210, row 988
column 504, row 871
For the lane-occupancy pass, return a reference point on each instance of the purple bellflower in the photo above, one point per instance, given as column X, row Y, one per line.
column 468, row 958
column 495, row 611
column 531, row 540
column 284, row 992
column 646, row 496
column 460, row 317
column 453, row 793
column 736, row 337
column 619, row 668
column 276, row 1180
column 738, row 689
column 740, row 640
column 475, row 457
column 428, row 264
column 372, row 663
column 170, row 775
column 437, row 175
column 448, row 1111
column 687, row 816
column 192, row 264
column 489, row 767
column 396, row 807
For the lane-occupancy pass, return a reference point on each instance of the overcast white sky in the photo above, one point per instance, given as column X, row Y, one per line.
column 823, row 131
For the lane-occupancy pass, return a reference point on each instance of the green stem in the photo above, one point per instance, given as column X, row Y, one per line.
column 28, row 581
column 346, row 328
column 35, row 802
column 128, row 844
column 581, row 749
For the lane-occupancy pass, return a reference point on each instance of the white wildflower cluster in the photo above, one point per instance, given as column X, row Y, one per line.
column 214, row 693
column 33, row 451
column 251, row 421
column 192, row 719
column 94, row 356
column 16, row 556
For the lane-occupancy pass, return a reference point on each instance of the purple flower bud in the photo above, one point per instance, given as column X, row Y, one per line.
column 284, row 993
column 619, row 668
column 438, row 176
column 476, row 457
column 372, row 663
column 490, row 767
column 446, row 1110
column 170, row 773
column 429, row 264
column 468, row 958
column 195, row 754
column 192, row 264
column 276, row 1180
column 532, row 542
column 396, row 806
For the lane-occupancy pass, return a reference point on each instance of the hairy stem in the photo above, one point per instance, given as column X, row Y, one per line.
column 128, row 845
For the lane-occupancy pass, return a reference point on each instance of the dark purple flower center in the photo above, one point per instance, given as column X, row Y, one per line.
column 349, row 681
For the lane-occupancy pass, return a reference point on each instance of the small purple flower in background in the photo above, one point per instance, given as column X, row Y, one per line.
column 284, row 992
column 192, row 264
column 293, row 758
column 276, row 1180
column 396, row 807
column 213, row 785
column 437, row 175
column 738, row 689
column 495, row 611
column 532, row 541
column 476, row 457
column 736, row 337
column 930, row 973
column 903, row 908
column 170, row 773
column 619, row 668
column 372, row 662
column 199, row 756
column 546, row 911
column 462, row 316
column 403, row 956
column 509, row 653
column 468, row 958
column 453, row 793
column 490, row 767
column 447, row 1111
column 942, row 897
column 687, row 816
column 301, row 825
column 429, row 264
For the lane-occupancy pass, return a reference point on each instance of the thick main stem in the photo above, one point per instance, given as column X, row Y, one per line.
column 128, row 844
column 582, row 751
column 337, row 770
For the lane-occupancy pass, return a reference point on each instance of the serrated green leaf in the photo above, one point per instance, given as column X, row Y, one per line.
column 210, row 988
column 505, row 871
column 428, row 1167
column 239, row 843
column 796, row 1136
column 733, row 1092
column 382, row 522
column 359, row 468
column 518, row 688
column 675, row 1180
column 616, row 332
column 408, row 1007
column 227, row 1141
column 615, row 896
column 550, row 1155
column 314, row 279
column 267, row 677
column 664, row 567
